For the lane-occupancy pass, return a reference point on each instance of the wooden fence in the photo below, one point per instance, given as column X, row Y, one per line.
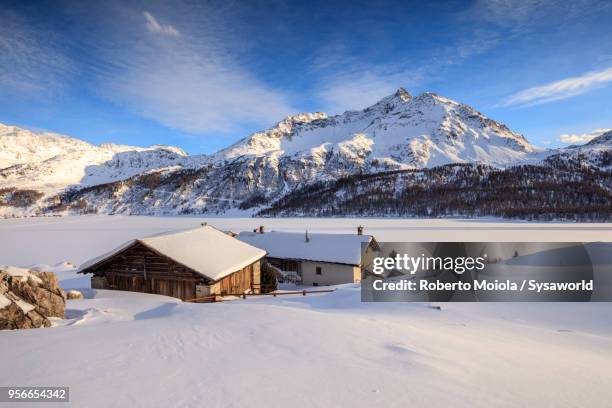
column 217, row 297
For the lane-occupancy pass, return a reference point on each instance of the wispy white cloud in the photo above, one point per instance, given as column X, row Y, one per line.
column 578, row 138
column 186, row 76
column 194, row 83
column 32, row 61
column 193, row 94
column 562, row 89
column 155, row 27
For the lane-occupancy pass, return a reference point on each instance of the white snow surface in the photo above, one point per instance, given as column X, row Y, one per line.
column 337, row 248
column 329, row 350
column 206, row 250
column 131, row 349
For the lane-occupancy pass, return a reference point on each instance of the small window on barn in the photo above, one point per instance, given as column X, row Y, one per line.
column 315, row 284
column 318, row 270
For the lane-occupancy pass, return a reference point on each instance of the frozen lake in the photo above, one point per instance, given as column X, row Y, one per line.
column 75, row 239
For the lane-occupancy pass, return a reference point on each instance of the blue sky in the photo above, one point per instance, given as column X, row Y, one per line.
column 201, row 75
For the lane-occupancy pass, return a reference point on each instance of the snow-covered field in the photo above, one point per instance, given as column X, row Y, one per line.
column 128, row 349
column 51, row 240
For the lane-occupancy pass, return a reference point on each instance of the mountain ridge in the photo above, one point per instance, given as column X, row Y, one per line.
column 412, row 132
column 401, row 132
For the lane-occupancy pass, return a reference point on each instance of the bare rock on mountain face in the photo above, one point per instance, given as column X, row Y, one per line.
column 28, row 298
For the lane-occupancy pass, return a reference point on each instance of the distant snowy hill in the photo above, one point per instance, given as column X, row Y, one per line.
column 49, row 162
column 264, row 172
column 596, row 153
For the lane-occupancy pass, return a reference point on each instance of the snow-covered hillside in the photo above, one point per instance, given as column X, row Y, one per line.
column 49, row 162
column 597, row 153
column 317, row 351
column 326, row 350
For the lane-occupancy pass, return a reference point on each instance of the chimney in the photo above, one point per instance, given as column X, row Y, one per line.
column 360, row 230
column 306, row 237
column 261, row 229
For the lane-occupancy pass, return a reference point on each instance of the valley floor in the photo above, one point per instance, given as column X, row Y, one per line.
column 129, row 349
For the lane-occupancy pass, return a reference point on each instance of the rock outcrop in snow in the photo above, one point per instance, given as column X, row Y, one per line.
column 28, row 298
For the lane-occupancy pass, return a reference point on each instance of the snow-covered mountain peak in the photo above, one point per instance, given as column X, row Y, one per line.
column 391, row 102
column 260, row 143
column 403, row 94
column 399, row 131
column 403, row 101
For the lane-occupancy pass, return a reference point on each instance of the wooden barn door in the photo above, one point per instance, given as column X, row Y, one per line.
column 182, row 289
column 130, row 283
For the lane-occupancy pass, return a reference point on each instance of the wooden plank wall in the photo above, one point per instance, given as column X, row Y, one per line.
column 128, row 269
column 178, row 288
column 237, row 282
column 140, row 269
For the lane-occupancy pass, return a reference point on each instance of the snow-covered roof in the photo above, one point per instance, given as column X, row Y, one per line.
column 336, row 248
column 206, row 250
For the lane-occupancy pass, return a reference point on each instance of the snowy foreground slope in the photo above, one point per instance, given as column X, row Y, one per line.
column 129, row 349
